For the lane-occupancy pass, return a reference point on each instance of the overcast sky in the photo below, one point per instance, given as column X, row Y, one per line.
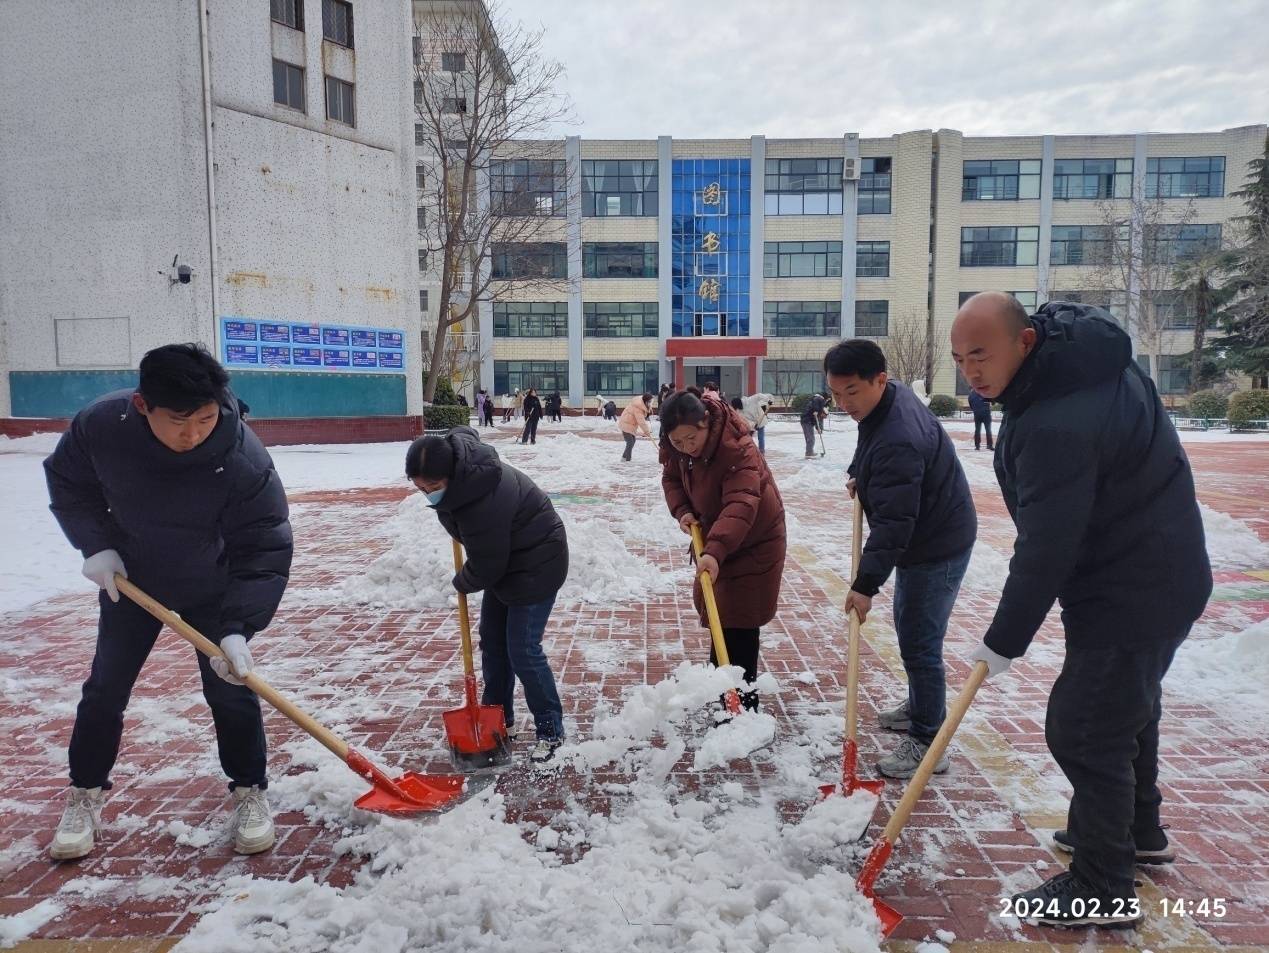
column 801, row 68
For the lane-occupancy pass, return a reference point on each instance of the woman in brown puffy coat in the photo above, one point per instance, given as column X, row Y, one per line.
column 713, row 474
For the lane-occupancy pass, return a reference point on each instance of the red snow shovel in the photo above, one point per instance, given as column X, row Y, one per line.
column 880, row 853
column 408, row 794
column 850, row 750
column 732, row 698
column 477, row 733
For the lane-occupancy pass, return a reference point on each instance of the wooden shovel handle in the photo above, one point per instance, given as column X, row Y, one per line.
column 464, row 620
column 332, row 741
column 711, row 604
column 852, row 663
column 916, row 787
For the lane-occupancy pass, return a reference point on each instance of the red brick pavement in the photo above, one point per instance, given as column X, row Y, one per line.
column 965, row 840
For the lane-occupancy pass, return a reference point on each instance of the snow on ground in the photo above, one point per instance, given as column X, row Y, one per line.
column 1226, row 671
column 1231, row 544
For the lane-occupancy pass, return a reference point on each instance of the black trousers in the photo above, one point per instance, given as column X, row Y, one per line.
column 125, row 636
column 1103, row 729
column 530, row 434
column 742, row 650
column 979, row 423
column 488, row 421
column 630, row 442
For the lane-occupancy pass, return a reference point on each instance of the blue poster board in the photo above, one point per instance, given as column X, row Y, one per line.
column 264, row 343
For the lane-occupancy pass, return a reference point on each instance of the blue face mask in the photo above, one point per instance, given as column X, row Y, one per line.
column 435, row 496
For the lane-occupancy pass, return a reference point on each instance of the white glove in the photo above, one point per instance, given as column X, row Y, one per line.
column 101, row 568
column 236, row 664
column 996, row 664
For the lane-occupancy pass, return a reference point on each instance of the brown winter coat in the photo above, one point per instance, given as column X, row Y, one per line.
column 731, row 491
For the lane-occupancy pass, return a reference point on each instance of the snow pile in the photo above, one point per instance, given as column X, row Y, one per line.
column 19, row 926
column 1227, row 670
column 831, row 824
column 417, row 572
column 1231, row 543
column 745, row 733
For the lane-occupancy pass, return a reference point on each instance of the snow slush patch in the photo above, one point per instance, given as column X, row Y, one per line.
column 19, row 926
column 1231, row 543
column 744, row 734
column 1226, row 672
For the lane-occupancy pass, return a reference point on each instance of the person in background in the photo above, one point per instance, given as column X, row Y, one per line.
column 662, row 395
column 711, row 387
column 610, row 410
column 517, row 405
column 633, row 420
column 981, row 408
column 508, row 407
column 553, row 406
column 599, row 406
column 756, row 407
column 713, row 474
column 812, row 419
column 532, row 415
column 462, row 400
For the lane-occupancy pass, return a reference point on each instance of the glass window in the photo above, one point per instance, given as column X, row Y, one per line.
column 1082, row 245
column 422, row 259
column 1196, row 177
column 527, row 187
column 288, row 13
column 621, row 319
column 612, row 187
column 530, row 260
column 339, row 101
column 1174, row 309
column 788, row 379
column 619, row 260
column 454, row 62
column 872, row 319
column 1092, row 178
column 618, row 378
column 1174, row 374
column 337, row 22
column 543, row 376
column 874, row 186
column 994, row 180
column 802, row 319
column 999, row 246
column 288, row 85
column 802, row 259
column 1114, row 303
column 530, row 319
column 803, row 187
column 872, row 259
column 453, row 105
column 423, row 301
column 1177, row 243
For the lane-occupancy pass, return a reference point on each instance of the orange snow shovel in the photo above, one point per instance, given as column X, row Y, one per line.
column 477, row 733
column 880, row 853
column 850, row 750
column 732, row 698
column 408, row 794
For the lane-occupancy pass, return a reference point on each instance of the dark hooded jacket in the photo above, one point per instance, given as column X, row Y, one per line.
column 1094, row 476
column 196, row 528
column 912, row 489
column 515, row 541
column 980, row 406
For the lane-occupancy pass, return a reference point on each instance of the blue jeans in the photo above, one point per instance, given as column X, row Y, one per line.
column 923, row 599
column 762, row 439
column 511, row 648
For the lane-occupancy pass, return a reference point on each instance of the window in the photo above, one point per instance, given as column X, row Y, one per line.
column 422, row 259
column 872, row 259
column 422, row 219
column 1174, row 374
column 530, row 319
column 288, row 13
column 1173, row 309
column 527, row 187
column 619, row 260
column 339, row 101
column 1092, row 178
column 1025, row 298
column 802, row 260
column 337, row 22
column 1201, row 177
column 622, row 377
column 611, row 187
column 423, row 301
column 454, row 62
column 1176, row 243
column 1114, row 303
column 1082, row 244
column 803, row 187
column 874, row 186
column 454, row 105
column 998, row 180
column 872, row 319
column 999, row 245
column 787, row 379
column 621, row 319
column 420, row 134
column 530, row 260
column 288, row 85
column 544, row 376
column 802, row 319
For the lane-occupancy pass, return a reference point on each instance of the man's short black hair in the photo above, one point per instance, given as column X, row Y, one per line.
column 182, row 378
column 858, row 357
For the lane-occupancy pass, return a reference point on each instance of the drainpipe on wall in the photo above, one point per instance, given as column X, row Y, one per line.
column 210, row 149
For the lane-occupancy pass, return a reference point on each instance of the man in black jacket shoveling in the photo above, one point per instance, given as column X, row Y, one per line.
column 1094, row 476
column 921, row 526
column 168, row 488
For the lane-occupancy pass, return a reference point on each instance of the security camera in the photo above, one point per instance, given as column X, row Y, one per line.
column 183, row 273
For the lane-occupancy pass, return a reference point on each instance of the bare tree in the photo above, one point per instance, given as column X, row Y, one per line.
column 461, row 356
column 485, row 96
column 788, row 383
column 909, row 348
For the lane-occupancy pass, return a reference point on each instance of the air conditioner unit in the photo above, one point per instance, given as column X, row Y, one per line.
column 850, row 170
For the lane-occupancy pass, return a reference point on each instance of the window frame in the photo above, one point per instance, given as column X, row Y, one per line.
column 868, row 179
column 990, row 239
column 287, row 67
column 554, row 254
column 780, row 255
column 630, row 172
column 330, row 24
column 1118, row 179
column 1003, row 172
column 596, row 312
column 532, row 320
column 1155, row 176
column 874, row 254
column 511, row 194
column 350, row 102
column 537, row 372
column 594, row 252
column 297, row 10
column 448, row 63
column 786, row 190
column 883, row 311
column 651, row 376
column 789, row 319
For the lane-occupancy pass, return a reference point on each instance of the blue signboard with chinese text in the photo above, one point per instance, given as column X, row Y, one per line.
column 270, row 343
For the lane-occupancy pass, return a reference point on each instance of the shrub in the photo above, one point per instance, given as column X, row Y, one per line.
column 1209, row 405
column 1246, row 406
column 444, row 395
column 944, row 406
column 445, row 417
column 800, row 402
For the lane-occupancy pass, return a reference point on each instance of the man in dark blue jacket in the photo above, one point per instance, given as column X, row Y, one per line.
column 168, row 488
column 921, row 522
column 981, row 408
column 1095, row 479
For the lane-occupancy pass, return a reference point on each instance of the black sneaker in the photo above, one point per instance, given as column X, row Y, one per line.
column 1150, row 850
column 1067, row 900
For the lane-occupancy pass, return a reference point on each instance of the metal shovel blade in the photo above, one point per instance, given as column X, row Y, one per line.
column 411, row 793
column 477, row 736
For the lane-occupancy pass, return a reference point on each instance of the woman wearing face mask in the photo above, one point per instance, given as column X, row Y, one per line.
column 517, row 553
column 713, row 474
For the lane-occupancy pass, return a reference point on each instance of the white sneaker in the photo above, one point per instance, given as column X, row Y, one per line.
column 544, row 750
column 253, row 822
column 906, row 758
column 79, row 825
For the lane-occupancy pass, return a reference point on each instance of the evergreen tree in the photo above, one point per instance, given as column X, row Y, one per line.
column 1246, row 321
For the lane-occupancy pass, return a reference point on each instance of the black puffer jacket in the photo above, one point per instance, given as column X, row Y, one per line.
column 912, row 488
column 192, row 528
column 1093, row 473
column 515, row 541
